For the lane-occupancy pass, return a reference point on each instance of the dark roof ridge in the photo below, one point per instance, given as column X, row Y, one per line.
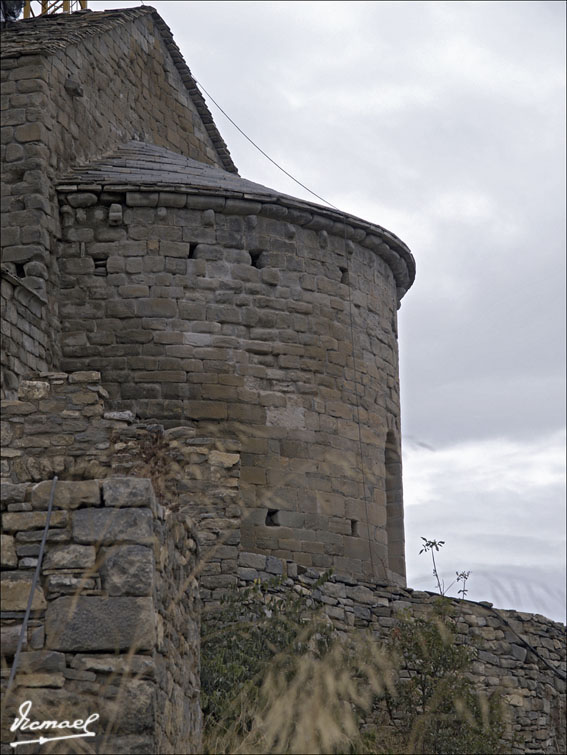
column 34, row 36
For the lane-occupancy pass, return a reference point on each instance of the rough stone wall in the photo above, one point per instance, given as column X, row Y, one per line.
column 66, row 107
column 519, row 655
column 115, row 615
column 28, row 217
column 23, row 341
column 130, row 558
column 212, row 311
column 59, row 425
column 131, row 89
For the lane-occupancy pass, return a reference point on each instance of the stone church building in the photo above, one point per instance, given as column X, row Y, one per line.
column 210, row 369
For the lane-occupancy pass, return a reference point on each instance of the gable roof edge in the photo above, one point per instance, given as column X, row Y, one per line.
column 103, row 21
column 195, row 93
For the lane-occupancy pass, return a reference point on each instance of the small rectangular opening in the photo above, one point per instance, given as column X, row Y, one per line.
column 272, row 518
column 100, row 266
column 354, row 528
column 255, row 258
column 344, row 275
column 192, row 247
column 20, row 272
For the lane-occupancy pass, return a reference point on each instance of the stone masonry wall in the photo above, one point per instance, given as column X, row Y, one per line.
column 239, row 317
column 129, row 555
column 114, row 626
column 519, row 655
column 28, row 220
column 68, row 104
column 131, row 89
column 23, row 342
column 59, row 425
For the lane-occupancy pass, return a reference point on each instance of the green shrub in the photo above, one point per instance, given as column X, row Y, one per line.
column 276, row 678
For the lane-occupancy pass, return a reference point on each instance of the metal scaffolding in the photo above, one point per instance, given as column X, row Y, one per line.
column 49, row 7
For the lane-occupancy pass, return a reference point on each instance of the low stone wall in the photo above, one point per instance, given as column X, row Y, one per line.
column 120, row 539
column 519, row 655
column 114, row 625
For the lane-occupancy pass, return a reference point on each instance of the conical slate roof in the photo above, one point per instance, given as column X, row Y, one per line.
column 139, row 163
column 138, row 166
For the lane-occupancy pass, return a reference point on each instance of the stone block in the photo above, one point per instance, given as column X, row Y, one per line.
column 221, row 459
column 78, row 266
column 142, row 198
column 361, row 594
column 174, row 249
column 115, row 214
column 330, row 504
column 171, row 199
column 9, row 638
column 112, row 526
column 252, row 560
column 33, row 390
column 253, row 475
column 247, row 574
column 40, row 680
column 8, row 552
column 274, row 565
column 15, row 592
column 12, row 492
column 70, row 556
column 292, row 519
column 156, row 308
column 69, row 584
column 68, row 494
column 93, row 623
column 42, row 661
column 205, row 409
column 21, row 253
column 121, row 492
column 32, row 520
column 128, row 570
column 82, row 199
column 29, row 132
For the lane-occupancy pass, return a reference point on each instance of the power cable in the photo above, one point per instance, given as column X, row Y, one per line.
column 253, row 143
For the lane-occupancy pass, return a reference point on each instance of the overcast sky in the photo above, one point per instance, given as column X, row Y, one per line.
column 443, row 122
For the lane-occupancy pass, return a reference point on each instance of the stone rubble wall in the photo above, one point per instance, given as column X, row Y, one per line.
column 519, row 655
column 59, row 425
column 239, row 318
column 129, row 552
column 115, row 617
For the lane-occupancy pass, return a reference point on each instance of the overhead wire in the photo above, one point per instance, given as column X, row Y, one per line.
column 253, row 143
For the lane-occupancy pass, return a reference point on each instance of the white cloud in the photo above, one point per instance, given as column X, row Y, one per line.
column 499, row 506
